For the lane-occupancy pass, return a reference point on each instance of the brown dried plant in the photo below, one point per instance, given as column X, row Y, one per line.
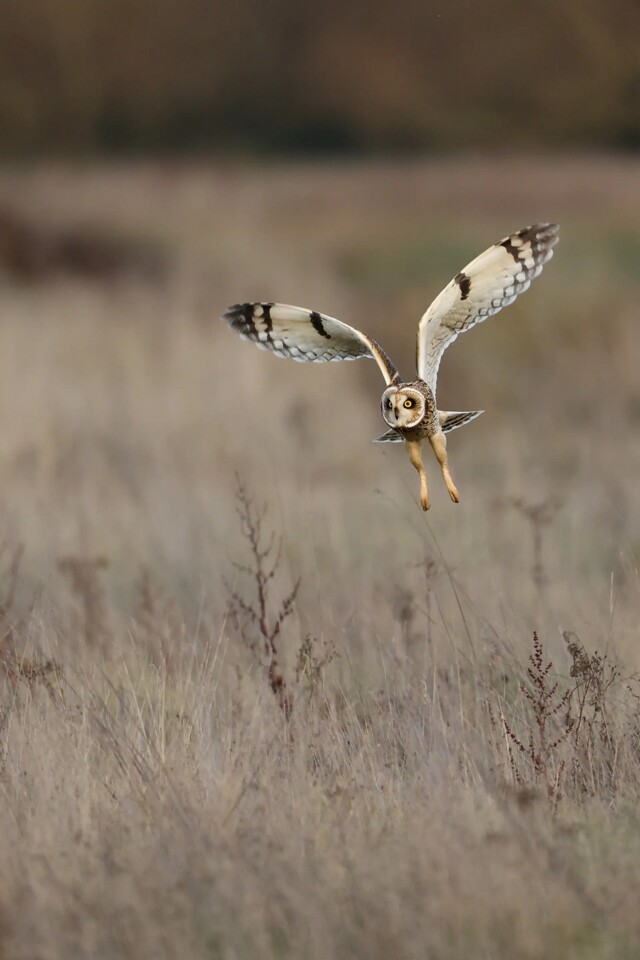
column 10, row 559
column 259, row 621
column 32, row 672
column 157, row 622
column 540, row 516
column 15, row 666
column 594, row 675
column 312, row 663
column 539, row 749
column 406, row 607
column 593, row 733
column 576, row 724
column 84, row 574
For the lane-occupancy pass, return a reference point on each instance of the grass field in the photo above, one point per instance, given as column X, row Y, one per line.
column 412, row 776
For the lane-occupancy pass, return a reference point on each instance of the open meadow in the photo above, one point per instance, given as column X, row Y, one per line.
column 324, row 729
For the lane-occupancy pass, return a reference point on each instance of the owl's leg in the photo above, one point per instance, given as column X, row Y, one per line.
column 439, row 443
column 415, row 455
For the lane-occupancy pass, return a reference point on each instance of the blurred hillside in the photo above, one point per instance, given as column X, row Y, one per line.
column 287, row 76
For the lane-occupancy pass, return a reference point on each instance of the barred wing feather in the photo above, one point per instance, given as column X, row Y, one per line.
column 305, row 335
column 486, row 285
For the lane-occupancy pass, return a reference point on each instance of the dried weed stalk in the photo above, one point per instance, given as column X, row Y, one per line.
column 259, row 621
column 157, row 623
column 14, row 666
column 594, row 732
column 574, row 724
column 311, row 663
column 10, row 558
column 84, row 574
column 540, row 516
column 546, row 734
column 34, row 673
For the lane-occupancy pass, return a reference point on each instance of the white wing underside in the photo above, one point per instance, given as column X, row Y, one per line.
column 486, row 285
column 305, row 335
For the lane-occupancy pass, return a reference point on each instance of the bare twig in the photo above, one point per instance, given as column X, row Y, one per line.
column 259, row 624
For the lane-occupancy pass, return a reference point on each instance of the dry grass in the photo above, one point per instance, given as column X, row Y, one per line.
column 198, row 758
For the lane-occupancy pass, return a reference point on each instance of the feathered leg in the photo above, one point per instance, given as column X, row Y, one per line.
column 439, row 443
column 415, row 455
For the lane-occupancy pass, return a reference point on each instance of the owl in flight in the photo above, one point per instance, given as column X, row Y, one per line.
column 486, row 285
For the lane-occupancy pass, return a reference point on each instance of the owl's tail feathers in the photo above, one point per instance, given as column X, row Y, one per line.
column 452, row 419
column 449, row 420
column 391, row 436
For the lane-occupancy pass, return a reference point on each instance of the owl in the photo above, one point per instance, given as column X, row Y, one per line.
column 486, row 285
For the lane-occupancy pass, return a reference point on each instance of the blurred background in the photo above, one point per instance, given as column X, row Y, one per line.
column 160, row 161
column 354, row 77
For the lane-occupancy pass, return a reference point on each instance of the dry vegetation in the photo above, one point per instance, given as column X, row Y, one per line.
column 335, row 727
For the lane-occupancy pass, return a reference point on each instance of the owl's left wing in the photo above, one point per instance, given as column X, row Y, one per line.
column 486, row 285
column 305, row 335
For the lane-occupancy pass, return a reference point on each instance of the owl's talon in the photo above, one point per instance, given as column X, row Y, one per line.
column 453, row 493
column 424, row 503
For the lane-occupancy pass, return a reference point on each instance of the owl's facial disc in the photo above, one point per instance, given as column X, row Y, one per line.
column 402, row 407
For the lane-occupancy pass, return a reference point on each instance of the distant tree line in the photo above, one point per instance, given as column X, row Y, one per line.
column 342, row 75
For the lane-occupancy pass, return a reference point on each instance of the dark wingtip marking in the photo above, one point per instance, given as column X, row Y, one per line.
column 240, row 318
column 509, row 247
column 316, row 323
column 234, row 316
column 545, row 234
column 464, row 282
column 232, row 312
column 549, row 234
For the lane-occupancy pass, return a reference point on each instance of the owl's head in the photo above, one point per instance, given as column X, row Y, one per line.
column 403, row 407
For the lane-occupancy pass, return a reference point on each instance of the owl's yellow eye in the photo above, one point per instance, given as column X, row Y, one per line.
column 408, row 404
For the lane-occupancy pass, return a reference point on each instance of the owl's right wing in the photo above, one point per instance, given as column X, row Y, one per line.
column 305, row 335
column 486, row 285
